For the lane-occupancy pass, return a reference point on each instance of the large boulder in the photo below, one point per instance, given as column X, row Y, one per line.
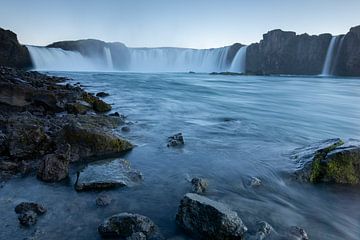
column 333, row 161
column 129, row 225
column 208, row 219
column 90, row 143
column 12, row 54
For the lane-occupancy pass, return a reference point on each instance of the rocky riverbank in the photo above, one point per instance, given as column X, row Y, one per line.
column 47, row 125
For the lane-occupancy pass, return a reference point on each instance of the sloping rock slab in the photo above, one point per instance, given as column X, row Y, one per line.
column 333, row 161
column 107, row 175
column 208, row 219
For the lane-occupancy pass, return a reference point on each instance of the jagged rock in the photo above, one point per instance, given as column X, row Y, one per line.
column 97, row 104
column 107, row 175
column 199, row 185
column 87, row 143
column 129, row 225
column 103, row 200
column 208, row 219
column 297, row 233
column 254, row 182
column 28, row 218
column 330, row 161
column 176, row 140
column 12, row 54
column 30, row 206
column 102, row 94
column 55, row 166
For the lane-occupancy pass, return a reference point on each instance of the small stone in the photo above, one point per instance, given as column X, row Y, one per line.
column 255, row 182
column 176, row 140
column 199, row 185
column 125, row 129
column 30, row 206
column 102, row 94
column 28, row 218
column 297, row 233
column 103, row 200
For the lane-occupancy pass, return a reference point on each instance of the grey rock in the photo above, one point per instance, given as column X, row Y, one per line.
column 28, row 218
column 137, row 236
column 129, row 225
column 176, row 140
column 264, row 230
column 105, row 174
column 199, row 185
column 297, row 233
column 103, row 200
column 208, row 219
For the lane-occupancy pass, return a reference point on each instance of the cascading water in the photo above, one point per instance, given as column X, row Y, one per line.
column 239, row 62
column 178, row 59
column 109, row 61
column 328, row 64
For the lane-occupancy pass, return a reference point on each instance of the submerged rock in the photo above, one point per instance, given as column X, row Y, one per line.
column 102, row 94
column 28, row 212
column 129, row 226
column 125, row 129
column 28, row 218
column 107, row 175
column 330, row 161
column 199, row 185
column 103, row 200
column 297, row 233
column 208, row 219
column 176, row 140
column 254, row 182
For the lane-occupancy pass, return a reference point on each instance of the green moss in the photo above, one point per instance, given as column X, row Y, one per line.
column 98, row 104
column 318, row 168
column 341, row 170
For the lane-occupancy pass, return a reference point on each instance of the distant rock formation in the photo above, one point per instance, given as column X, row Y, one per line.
column 120, row 54
column 283, row 52
column 12, row 54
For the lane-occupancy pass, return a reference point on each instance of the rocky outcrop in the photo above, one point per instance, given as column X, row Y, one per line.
column 207, row 219
column 12, row 54
column 129, row 226
column 176, row 140
column 281, row 52
column 348, row 63
column 95, row 48
column 332, row 161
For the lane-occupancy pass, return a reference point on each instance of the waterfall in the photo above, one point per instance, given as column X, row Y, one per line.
column 337, row 55
column 109, row 61
column 178, row 59
column 329, row 57
column 239, row 62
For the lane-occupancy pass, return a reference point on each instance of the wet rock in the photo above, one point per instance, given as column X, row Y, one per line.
column 28, row 218
column 255, row 182
column 97, row 104
column 107, row 175
column 137, row 236
column 331, row 161
column 102, row 94
column 54, row 167
column 297, row 233
column 103, row 200
column 176, row 140
column 129, row 225
column 76, row 108
column 208, row 219
column 264, row 230
column 3, row 142
column 30, row 206
column 125, row 129
column 115, row 114
column 199, row 185
column 89, row 143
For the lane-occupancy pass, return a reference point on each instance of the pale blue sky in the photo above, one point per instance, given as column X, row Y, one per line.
column 178, row 23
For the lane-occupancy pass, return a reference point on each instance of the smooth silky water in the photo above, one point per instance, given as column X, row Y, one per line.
column 235, row 128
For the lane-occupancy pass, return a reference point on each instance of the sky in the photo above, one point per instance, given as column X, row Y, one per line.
column 173, row 23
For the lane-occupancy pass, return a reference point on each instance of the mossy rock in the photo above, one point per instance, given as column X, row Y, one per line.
column 76, row 108
column 88, row 143
column 338, row 162
column 97, row 104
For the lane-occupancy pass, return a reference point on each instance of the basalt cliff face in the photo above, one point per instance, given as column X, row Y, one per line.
column 12, row 53
column 349, row 59
column 283, row 52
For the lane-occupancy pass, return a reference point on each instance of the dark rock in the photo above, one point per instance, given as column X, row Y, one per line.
column 102, row 175
column 28, row 218
column 115, row 114
column 207, row 219
column 331, row 161
column 297, row 233
column 103, row 200
column 125, row 225
column 348, row 63
column 76, row 108
column 263, row 230
column 30, row 206
column 176, row 140
column 12, row 54
column 137, row 236
column 55, row 166
column 102, row 94
column 227, row 73
column 199, row 185
column 97, row 104
column 125, row 129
